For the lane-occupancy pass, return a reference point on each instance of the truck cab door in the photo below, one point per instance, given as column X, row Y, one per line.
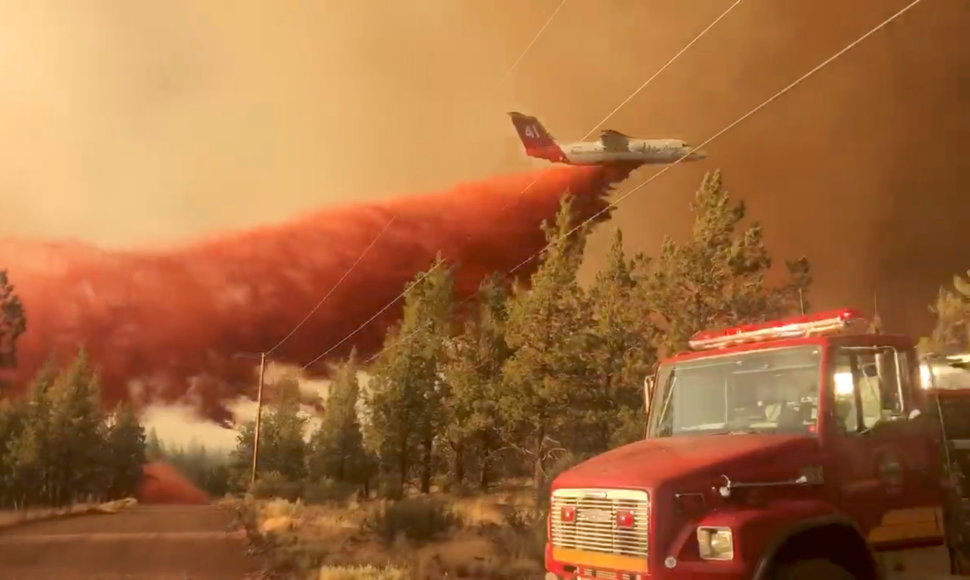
column 888, row 469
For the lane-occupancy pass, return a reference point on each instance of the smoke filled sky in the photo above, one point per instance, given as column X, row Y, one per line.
column 133, row 124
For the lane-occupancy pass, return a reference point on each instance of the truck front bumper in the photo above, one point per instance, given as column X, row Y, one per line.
column 576, row 565
column 564, row 563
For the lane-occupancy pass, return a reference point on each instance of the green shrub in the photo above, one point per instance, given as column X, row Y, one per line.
column 277, row 507
column 274, row 484
column 525, row 534
column 389, row 487
column 295, row 558
column 417, row 520
column 329, row 490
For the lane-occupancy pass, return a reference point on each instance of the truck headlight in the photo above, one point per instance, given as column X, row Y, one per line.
column 715, row 543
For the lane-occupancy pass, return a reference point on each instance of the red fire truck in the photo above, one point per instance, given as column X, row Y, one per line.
column 803, row 448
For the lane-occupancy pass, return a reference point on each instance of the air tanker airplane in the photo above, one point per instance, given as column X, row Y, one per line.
column 612, row 147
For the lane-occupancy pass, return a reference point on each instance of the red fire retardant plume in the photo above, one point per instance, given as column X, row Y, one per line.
column 162, row 484
column 161, row 325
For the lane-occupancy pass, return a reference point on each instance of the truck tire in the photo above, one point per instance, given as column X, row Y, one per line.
column 812, row 570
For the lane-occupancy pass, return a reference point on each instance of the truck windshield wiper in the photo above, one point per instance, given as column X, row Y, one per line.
column 737, row 432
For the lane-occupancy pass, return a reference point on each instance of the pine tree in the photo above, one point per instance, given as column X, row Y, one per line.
column 29, row 450
column 717, row 278
column 282, row 444
column 391, row 405
column 210, row 471
column 241, row 457
column 126, row 449
column 624, row 352
column 76, row 435
column 404, row 401
column 11, row 425
column 473, row 378
column 337, row 449
column 154, row 449
column 282, row 447
column 58, row 447
column 547, row 382
column 13, row 322
column 951, row 332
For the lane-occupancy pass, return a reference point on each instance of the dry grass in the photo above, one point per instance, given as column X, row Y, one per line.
column 362, row 573
column 498, row 535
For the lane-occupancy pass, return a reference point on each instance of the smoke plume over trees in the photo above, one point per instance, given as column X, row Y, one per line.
column 532, row 374
column 161, row 325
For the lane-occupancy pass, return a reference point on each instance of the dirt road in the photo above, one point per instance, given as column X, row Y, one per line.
column 143, row 542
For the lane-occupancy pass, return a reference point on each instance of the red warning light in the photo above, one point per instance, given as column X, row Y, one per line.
column 624, row 519
column 567, row 513
column 829, row 322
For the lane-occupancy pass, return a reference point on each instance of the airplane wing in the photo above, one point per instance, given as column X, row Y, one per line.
column 614, row 140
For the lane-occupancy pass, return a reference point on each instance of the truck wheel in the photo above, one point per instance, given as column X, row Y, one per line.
column 813, row 570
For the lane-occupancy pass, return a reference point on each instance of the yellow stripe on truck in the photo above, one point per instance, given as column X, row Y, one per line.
column 908, row 524
column 598, row 560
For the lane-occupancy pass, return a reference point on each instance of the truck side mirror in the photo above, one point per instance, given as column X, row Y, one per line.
column 648, row 383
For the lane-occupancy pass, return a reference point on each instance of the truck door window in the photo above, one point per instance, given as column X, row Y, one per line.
column 906, row 369
column 889, row 377
column 867, row 386
column 870, row 392
column 846, row 406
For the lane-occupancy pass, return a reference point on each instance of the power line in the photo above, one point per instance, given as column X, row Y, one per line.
column 613, row 112
column 334, row 287
column 265, row 354
column 366, row 250
column 730, row 126
column 724, row 130
column 524, row 190
column 663, row 68
column 408, row 288
column 529, row 46
column 529, row 186
column 376, row 314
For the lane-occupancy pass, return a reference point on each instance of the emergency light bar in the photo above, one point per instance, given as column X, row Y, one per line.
column 830, row 322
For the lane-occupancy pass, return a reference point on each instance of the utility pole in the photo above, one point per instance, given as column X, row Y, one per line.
column 259, row 416
column 876, row 325
column 801, row 301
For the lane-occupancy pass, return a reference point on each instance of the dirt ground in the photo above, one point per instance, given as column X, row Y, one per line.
column 169, row 542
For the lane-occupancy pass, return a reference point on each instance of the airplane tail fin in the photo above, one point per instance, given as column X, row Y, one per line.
column 537, row 141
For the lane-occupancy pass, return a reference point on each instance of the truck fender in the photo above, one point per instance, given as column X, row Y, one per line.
column 780, row 539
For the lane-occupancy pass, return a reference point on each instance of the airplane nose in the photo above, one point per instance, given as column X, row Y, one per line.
column 699, row 155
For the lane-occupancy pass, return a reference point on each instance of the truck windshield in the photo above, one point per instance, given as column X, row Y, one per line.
column 766, row 391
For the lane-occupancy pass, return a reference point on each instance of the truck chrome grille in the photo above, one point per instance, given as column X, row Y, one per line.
column 594, row 526
column 597, row 574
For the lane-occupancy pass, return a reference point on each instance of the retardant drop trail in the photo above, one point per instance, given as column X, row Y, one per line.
column 163, row 484
column 161, row 326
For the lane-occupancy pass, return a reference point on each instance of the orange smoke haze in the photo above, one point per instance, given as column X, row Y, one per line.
column 127, row 123
column 162, row 326
column 162, row 483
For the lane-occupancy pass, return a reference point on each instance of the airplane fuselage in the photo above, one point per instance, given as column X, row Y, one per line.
column 611, row 147
column 646, row 151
